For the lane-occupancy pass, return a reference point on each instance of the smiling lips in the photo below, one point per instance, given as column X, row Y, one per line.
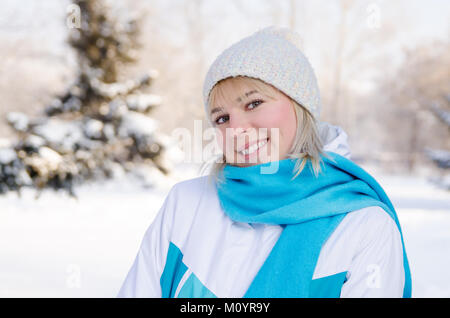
column 248, row 150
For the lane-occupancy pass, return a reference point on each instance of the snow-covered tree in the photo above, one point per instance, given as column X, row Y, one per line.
column 101, row 123
column 404, row 106
column 441, row 157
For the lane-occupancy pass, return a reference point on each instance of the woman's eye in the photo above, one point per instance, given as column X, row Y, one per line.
column 255, row 103
column 221, row 119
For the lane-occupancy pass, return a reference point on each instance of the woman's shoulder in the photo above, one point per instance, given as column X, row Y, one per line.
column 370, row 220
column 367, row 230
column 189, row 202
column 193, row 186
column 372, row 214
column 373, row 217
column 189, row 192
column 363, row 226
column 192, row 182
column 371, row 224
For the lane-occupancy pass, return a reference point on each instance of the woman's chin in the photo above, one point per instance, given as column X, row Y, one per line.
column 252, row 161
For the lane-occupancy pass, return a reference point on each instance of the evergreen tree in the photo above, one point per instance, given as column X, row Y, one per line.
column 99, row 124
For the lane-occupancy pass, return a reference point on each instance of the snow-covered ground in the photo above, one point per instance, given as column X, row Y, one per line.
column 57, row 246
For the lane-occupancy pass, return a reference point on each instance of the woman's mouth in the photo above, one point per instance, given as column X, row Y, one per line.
column 253, row 148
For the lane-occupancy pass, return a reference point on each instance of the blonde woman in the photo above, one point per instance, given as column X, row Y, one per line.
column 287, row 213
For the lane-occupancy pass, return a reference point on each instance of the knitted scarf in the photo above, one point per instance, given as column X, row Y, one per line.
column 309, row 209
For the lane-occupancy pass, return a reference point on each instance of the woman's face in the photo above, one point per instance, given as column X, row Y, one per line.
column 254, row 128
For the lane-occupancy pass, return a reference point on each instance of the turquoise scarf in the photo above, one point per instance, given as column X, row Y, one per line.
column 308, row 208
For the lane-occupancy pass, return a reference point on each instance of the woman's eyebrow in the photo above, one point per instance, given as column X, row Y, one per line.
column 216, row 110
column 238, row 100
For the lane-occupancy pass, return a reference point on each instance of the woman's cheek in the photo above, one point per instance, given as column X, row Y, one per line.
column 275, row 144
column 220, row 140
column 225, row 145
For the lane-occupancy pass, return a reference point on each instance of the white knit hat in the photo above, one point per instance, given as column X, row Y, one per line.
column 272, row 55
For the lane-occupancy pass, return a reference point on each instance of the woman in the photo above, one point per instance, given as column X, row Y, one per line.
column 287, row 214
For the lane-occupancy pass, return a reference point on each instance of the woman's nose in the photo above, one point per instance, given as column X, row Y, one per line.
column 239, row 124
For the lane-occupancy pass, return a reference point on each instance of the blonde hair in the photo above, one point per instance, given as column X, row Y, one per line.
column 307, row 144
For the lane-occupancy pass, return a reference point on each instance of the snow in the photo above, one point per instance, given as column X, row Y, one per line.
column 137, row 124
column 7, row 155
column 51, row 157
column 142, row 102
column 35, row 141
column 58, row 246
column 18, row 120
column 424, row 214
column 60, row 132
column 93, row 128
